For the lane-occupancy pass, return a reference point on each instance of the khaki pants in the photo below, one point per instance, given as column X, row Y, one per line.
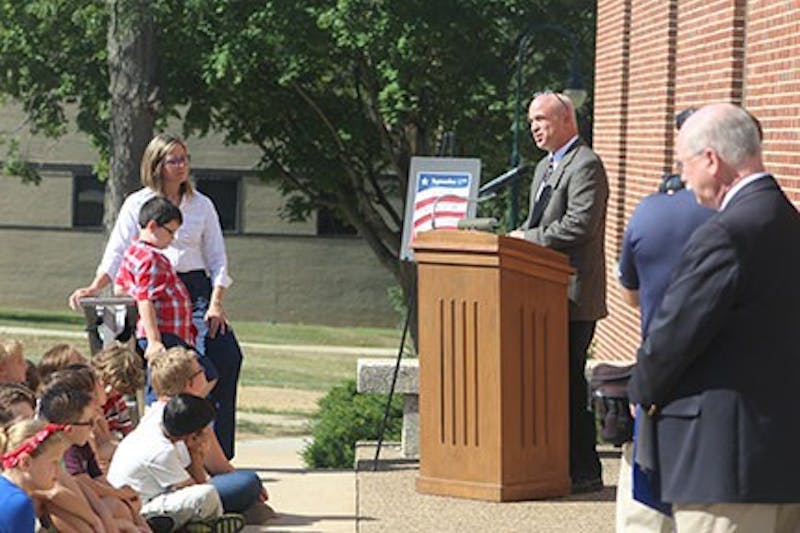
column 738, row 518
column 193, row 503
column 632, row 516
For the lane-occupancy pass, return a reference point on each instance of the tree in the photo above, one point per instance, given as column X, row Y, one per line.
column 337, row 95
column 133, row 89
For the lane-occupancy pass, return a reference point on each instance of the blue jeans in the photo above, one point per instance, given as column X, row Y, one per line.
column 224, row 353
column 238, row 490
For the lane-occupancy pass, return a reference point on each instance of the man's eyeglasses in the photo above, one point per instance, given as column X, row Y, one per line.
column 197, row 373
column 87, row 423
column 178, row 161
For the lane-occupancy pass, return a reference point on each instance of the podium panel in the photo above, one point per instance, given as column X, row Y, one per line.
column 493, row 367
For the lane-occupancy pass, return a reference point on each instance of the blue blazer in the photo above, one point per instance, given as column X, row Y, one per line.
column 722, row 358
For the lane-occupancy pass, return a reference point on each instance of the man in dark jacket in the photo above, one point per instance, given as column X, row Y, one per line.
column 720, row 363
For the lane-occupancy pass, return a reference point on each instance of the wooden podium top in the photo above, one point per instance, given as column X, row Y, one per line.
column 487, row 249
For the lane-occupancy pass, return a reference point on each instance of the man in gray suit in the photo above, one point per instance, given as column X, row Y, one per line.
column 568, row 200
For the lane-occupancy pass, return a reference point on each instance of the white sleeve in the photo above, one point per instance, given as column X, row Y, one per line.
column 126, row 229
column 213, row 247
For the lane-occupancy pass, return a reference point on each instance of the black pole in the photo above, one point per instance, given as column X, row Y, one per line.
column 388, row 408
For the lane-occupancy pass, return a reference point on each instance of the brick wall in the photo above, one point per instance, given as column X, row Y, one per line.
column 772, row 85
column 656, row 57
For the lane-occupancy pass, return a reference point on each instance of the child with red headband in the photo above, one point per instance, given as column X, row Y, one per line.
column 31, row 454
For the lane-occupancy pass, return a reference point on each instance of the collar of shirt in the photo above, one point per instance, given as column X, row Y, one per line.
column 559, row 154
column 738, row 187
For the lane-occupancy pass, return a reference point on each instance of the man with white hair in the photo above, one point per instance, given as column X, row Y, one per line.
column 568, row 201
column 720, row 362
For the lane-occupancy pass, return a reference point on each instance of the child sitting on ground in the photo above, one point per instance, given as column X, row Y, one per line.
column 32, row 379
column 101, row 439
column 58, row 357
column 12, row 362
column 178, row 371
column 17, row 401
column 30, row 452
column 164, row 463
column 147, row 276
column 68, row 399
column 119, row 371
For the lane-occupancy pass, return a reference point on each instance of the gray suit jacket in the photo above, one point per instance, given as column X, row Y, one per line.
column 574, row 222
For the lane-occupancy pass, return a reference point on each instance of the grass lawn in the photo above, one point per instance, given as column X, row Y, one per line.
column 280, row 384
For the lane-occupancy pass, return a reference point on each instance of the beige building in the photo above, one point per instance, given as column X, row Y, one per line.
column 313, row 272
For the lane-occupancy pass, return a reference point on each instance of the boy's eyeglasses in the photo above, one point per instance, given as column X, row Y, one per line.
column 196, row 373
column 87, row 423
column 170, row 231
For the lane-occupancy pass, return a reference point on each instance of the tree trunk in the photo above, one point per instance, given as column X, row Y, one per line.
column 132, row 61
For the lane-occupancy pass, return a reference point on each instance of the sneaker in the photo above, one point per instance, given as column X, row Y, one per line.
column 160, row 523
column 227, row 523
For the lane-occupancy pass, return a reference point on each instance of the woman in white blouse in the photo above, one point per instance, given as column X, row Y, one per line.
column 198, row 255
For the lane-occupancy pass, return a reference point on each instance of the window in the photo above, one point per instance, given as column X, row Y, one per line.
column 88, row 195
column 330, row 224
column 225, row 193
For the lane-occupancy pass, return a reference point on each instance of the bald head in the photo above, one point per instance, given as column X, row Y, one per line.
column 552, row 120
column 718, row 146
column 727, row 129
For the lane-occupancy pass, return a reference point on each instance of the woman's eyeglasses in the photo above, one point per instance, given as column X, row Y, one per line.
column 178, row 161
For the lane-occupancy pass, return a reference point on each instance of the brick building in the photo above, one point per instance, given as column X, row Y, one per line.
column 656, row 57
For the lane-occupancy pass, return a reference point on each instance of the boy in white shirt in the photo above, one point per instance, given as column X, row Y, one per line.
column 164, row 463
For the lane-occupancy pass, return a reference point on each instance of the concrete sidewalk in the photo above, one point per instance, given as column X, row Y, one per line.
column 304, row 500
column 369, row 502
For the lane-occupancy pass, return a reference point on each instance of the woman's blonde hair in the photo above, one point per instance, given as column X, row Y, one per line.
column 153, row 162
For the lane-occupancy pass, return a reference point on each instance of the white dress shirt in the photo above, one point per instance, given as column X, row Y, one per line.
column 198, row 243
column 738, row 187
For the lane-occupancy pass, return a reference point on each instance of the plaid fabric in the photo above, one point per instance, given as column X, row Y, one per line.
column 117, row 414
column 147, row 274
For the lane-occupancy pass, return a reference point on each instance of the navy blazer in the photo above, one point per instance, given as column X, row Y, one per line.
column 722, row 358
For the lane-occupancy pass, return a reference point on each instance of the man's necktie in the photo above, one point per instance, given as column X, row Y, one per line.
column 542, row 195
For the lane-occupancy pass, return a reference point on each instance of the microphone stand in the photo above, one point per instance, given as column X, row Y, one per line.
column 489, row 190
column 382, row 429
column 489, row 223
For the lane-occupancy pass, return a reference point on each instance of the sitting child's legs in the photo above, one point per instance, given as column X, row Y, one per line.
column 238, row 490
column 193, row 503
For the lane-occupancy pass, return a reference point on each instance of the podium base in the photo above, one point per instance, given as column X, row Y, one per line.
column 492, row 492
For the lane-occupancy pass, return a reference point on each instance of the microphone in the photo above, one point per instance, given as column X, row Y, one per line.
column 479, row 224
column 464, row 223
column 501, row 180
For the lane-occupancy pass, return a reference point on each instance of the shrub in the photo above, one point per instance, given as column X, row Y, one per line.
column 345, row 417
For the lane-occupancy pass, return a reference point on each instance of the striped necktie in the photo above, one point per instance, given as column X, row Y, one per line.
column 542, row 195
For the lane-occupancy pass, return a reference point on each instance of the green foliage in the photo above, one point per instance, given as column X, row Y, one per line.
column 398, row 301
column 345, row 417
column 338, row 96
column 16, row 165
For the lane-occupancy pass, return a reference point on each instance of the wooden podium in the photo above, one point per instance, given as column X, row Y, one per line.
column 493, row 403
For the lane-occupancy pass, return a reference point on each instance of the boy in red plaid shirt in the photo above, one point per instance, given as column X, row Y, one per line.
column 146, row 274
